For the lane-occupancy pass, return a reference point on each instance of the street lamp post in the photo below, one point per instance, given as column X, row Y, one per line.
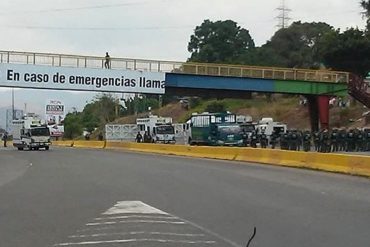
column 13, row 110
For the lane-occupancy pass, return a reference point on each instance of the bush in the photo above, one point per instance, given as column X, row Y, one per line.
column 215, row 107
column 194, row 102
column 72, row 125
column 344, row 115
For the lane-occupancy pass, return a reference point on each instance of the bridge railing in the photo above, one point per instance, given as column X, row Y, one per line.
column 63, row 60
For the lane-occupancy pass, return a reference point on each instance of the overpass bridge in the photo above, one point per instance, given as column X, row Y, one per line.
column 221, row 80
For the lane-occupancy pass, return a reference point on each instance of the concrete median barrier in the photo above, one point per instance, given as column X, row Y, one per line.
column 199, row 152
column 89, row 144
column 63, row 143
column 117, row 145
column 342, row 163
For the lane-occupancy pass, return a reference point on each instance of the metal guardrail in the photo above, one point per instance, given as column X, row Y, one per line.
column 77, row 61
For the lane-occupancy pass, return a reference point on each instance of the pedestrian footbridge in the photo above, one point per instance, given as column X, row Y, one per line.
column 193, row 76
column 216, row 80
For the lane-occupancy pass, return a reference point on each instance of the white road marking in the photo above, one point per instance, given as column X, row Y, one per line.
column 210, row 233
column 138, row 233
column 144, row 214
column 136, row 221
column 136, row 240
column 136, row 216
column 133, row 207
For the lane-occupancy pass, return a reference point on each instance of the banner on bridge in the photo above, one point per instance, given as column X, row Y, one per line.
column 81, row 79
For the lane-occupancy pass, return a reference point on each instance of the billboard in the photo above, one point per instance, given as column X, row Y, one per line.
column 81, row 79
column 54, row 107
column 55, row 114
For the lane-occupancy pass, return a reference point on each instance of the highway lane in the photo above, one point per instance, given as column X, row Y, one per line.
column 76, row 197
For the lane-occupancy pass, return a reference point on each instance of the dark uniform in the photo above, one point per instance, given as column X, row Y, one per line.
column 263, row 140
column 300, row 140
column 284, row 141
column 245, row 139
column 147, row 137
column 325, row 142
column 307, row 141
column 316, row 140
column 254, row 140
column 367, row 139
column 334, row 139
column 100, row 137
column 359, row 141
column 273, row 139
column 5, row 139
column 107, row 61
column 350, row 141
column 342, row 141
column 293, row 140
column 139, row 137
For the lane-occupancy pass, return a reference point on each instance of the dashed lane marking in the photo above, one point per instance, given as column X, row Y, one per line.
column 138, row 233
column 136, row 217
column 136, row 240
column 133, row 207
column 136, row 221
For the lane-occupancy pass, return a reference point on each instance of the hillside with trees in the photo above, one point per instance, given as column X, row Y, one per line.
column 312, row 45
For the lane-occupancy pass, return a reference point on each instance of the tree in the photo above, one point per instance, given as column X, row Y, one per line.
column 140, row 104
column 348, row 51
column 90, row 118
column 295, row 46
column 216, row 107
column 72, row 125
column 219, row 42
column 96, row 114
column 366, row 6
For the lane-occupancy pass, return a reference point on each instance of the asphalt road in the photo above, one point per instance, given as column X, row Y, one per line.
column 75, row 197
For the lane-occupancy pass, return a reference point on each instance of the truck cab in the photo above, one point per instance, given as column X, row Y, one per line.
column 31, row 134
column 160, row 129
column 268, row 126
column 164, row 134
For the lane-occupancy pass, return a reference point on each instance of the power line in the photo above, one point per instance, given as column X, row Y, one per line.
column 101, row 6
column 61, row 28
column 283, row 17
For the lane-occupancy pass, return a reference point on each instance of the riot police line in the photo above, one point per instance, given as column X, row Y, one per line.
column 325, row 141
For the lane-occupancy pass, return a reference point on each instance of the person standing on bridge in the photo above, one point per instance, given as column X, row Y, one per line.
column 107, row 63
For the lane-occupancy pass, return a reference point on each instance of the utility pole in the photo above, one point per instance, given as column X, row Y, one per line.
column 283, row 16
column 13, row 109
column 117, row 104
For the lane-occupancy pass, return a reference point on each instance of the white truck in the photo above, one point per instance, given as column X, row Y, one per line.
column 160, row 129
column 164, row 134
column 30, row 133
column 268, row 126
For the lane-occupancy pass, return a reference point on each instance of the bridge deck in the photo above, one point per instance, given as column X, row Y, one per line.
column 274, row 73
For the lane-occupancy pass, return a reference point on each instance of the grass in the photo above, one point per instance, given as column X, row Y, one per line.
column 243, row 106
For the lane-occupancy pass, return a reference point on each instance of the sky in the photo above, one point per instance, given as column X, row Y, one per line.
column 150, row 29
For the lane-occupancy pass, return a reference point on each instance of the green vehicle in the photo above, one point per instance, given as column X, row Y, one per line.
column 206, row 127
column 229, row 135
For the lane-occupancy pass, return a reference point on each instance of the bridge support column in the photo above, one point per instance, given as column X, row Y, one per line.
column 313, row 110
column 319, row 111
column 323, row 102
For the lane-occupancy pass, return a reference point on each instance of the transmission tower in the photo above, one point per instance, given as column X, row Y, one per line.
column 283, row 16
